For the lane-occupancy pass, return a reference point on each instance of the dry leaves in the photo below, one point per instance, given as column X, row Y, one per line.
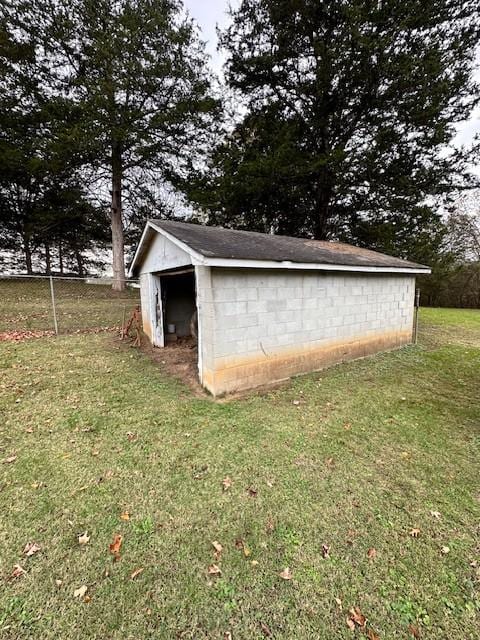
column 226, row 483
column 286, row 574
column 252, row 492
column 325, row 551
column 214, row 570
column 371, row 635
column 357, row 617
column 445, row 550
column 10, row 459
column 415, row 533
column 31, row 548
column 436, row 514
column 83, row 538
column 80, row 592
column 414, row 631
column 217, row 546
column 136, row 573
column 115, row 547
column 17, row 572
column 372, row 553
column 265, row 629
column 125, row 516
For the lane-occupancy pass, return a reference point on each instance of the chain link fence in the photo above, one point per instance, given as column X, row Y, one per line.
column 62, row 305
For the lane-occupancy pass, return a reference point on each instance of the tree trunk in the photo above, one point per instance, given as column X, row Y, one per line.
column 79, row 259
column 28, row 254
column 48, row 262
column 60, row 258
column 322, row 213
column 116, row 220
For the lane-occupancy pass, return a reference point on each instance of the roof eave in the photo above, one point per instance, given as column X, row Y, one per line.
column 311, row 266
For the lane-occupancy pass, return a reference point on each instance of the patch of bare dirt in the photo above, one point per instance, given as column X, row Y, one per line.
column 178, row 359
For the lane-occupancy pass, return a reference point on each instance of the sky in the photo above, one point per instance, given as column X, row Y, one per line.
column 209, row 13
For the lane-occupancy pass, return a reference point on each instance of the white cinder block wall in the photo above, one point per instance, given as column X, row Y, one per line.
column 260, row 326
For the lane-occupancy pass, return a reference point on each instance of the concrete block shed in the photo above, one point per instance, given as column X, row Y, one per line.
column 267, row 307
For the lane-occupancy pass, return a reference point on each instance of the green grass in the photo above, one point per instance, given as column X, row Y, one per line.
column 371, row 449
column 26, row 305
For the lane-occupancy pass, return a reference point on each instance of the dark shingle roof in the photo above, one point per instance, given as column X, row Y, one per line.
column 217, row 242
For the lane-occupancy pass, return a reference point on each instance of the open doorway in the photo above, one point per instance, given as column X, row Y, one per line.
column 179, row 308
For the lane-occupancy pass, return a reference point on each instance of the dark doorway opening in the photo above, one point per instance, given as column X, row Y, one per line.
column 179, row 307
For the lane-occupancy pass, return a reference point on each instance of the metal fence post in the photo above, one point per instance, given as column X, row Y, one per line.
column 53, row 306
column 417, row 305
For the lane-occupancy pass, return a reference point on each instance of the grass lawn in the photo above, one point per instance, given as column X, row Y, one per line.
column 26, row 304
column 355, row 458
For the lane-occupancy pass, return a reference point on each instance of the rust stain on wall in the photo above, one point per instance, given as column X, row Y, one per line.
column 147, row 327
column 239, row 373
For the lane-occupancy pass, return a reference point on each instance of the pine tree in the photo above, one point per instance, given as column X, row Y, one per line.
column 43, row 199
column 350, row 108
column 137, row 71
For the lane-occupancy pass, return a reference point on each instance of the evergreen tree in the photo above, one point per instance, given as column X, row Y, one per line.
column 350, row 107
column 43, row 199
column 136, row 69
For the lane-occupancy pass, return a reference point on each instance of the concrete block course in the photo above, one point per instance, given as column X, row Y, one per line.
column 268, row 326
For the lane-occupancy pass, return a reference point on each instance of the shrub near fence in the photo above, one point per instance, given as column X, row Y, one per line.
column 63, row 305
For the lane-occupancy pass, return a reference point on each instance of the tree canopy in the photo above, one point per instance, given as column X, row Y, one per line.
column 349, row 112
column 135, row 72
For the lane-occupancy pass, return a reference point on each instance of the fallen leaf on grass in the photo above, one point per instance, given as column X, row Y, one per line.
column 436, row 514
column 131, row 436
column 252, row 492
column 31, row 548
column 445, row 550
column 414, row 631
column 414, row 533
column 80, row 592
column 227, row 635
column 372, row 553
column 17, row 572
column 330, row 462
column 125, row 516
column 371, row 635
column 83, row 538
column 115, row 547
column 325, row 551
column 214, row 570
column 136, row 573
column 10, row 459
column 265, row 629
column 217, row 546
column 226, row 483
column 286, row 574
column 357, row 617
column 350, row 624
